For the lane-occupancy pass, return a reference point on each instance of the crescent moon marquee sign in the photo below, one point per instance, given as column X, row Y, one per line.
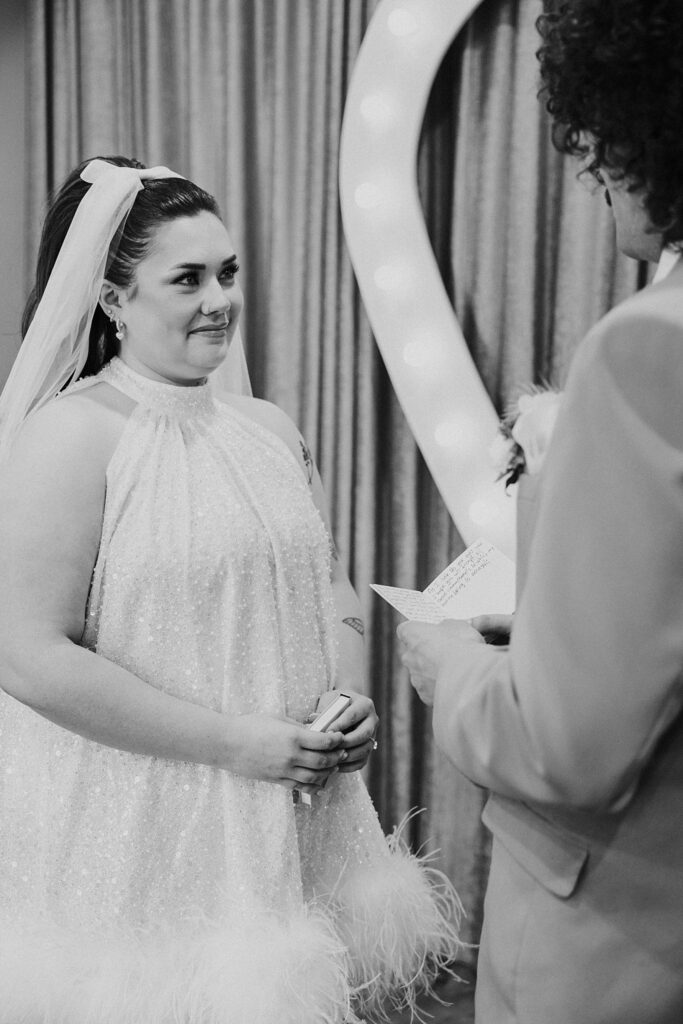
column 438, row 385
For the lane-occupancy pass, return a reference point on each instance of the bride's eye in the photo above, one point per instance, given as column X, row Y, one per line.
column 190, row 278
column 228, row 273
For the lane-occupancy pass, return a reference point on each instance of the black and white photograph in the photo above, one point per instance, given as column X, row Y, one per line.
column 341, row 512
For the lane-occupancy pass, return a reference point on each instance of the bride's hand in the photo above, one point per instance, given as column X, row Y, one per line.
column 282, row 751
column 359, row 724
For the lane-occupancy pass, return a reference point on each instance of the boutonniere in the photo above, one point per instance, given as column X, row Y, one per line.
column 524, row 434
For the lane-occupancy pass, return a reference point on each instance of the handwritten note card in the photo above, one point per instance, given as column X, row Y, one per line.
column 413, row 604
column 480, row 581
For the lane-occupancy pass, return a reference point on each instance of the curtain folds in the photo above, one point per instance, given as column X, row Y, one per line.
column 246, row 97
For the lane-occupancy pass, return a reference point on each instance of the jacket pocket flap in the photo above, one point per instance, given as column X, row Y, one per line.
column 551, row 855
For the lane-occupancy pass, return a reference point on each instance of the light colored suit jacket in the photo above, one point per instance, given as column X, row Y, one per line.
column 577, row 729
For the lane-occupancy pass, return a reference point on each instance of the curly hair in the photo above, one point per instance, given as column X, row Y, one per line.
column 612, row 77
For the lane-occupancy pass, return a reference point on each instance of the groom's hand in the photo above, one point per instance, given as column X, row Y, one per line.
column 495, row 629
column 424, row 647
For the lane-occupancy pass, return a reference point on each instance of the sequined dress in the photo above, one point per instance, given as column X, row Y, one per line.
column 136, row 890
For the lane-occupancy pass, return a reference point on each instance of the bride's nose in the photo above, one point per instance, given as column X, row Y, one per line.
column 214, row 299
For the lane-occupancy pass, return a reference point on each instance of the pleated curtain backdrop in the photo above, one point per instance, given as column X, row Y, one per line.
column 246, row 97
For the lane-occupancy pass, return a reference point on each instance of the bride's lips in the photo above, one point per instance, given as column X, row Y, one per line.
column 211, row 328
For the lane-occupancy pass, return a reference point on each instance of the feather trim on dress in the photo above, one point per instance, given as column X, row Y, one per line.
column 259, row 970
column 400, row 922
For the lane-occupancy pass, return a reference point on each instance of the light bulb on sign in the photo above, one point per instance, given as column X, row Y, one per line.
column 402, row 22
column 378, row 109
column 390, row 276
column 368, row 196
column 423, row 356
column 415, row 354
column 456, row 433
column 380, row 198
column 426, row 351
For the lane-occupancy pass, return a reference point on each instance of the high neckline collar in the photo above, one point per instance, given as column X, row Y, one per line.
column 156, row 393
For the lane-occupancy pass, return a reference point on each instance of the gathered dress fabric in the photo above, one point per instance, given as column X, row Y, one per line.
column 138, row 890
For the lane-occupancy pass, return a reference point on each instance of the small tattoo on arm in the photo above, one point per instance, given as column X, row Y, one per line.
column 356, row 624
column 308, row 460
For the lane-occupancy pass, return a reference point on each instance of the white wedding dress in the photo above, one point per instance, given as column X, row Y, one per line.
column 135, row 890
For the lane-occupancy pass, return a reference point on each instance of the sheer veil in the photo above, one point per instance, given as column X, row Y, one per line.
column 55, row 348
column 233, row 373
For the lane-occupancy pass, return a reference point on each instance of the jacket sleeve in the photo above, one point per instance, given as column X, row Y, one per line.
column 571, row 713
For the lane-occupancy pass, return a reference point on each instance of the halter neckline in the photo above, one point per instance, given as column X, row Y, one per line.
column 156, row 393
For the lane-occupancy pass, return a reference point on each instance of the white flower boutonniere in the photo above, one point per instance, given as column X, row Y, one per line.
column 524, row 434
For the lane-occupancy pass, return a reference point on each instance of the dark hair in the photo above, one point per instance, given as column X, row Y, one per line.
column 161, row 200
column 612, row 74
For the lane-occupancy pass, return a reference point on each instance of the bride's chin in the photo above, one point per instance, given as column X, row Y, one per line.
column 212, row 354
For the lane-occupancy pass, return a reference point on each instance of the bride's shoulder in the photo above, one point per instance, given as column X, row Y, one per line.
column 81, row 426
column 265, row 413
column 96, row 399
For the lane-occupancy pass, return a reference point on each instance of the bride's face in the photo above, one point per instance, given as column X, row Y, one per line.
column 182, row 310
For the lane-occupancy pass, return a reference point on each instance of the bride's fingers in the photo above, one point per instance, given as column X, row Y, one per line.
column 303, row 777
column 316, row 742
column 310, row 760
column 363, row 733
column 360, row 711
column 358, row 756
column 308, row 781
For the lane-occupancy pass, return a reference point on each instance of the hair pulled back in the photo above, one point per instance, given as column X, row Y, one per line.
column 159, row 201
column 612, row 73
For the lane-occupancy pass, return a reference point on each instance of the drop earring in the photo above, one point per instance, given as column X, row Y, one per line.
column 118, row 324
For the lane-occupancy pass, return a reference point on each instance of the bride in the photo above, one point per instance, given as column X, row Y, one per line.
column 177, row 846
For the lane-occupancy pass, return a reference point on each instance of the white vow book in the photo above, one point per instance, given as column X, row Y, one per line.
column 480, row 581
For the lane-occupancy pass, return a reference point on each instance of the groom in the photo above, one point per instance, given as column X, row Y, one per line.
column 577, row 728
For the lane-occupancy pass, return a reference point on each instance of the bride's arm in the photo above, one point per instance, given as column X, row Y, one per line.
column 51, row 503
column 360, row 721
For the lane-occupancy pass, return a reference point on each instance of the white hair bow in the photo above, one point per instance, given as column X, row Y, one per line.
column 93, row 171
